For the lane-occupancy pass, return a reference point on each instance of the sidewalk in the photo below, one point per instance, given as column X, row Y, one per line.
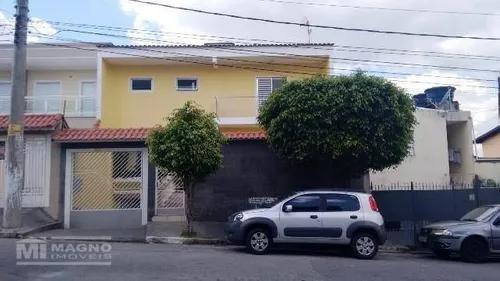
column 115, row 235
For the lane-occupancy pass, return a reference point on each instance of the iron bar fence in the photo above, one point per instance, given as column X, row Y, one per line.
column 407, row 207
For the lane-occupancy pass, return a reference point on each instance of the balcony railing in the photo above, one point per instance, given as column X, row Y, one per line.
column 70, row 106
column 236, row 110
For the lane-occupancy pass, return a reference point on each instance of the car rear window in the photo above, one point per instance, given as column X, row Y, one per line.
column 341, row 203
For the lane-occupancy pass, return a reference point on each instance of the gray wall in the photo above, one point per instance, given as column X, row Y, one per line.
column 251, row 169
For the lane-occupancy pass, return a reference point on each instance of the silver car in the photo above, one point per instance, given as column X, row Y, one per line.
column 475, row 236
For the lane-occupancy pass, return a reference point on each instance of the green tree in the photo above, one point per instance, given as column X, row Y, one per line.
column 356, row 122
column 189, row 145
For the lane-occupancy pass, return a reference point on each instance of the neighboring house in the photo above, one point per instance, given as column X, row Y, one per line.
column 488, row 166
column 442, row 151
column 61, row 79
column 490, row 142
column 43, row 173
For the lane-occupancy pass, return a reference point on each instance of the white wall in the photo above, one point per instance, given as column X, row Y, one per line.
column 430, row 162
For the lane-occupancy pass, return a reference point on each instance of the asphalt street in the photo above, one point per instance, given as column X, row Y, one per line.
column 135, row 261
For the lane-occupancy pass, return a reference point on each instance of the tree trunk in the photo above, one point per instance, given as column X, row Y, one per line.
column 188, row 207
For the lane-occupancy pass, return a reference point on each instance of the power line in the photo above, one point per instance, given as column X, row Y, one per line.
column 382, row 8
column 377, row 31
column 336, row 47
column 210, row 64
column 375, row 62
column 245, row 51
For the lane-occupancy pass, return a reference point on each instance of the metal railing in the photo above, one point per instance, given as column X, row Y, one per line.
column 69, row 105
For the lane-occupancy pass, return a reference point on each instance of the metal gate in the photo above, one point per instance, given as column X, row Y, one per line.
column 36, row 172
column 169, row 193
column 106, row 188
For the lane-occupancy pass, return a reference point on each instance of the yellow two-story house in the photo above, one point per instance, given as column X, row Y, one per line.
column 140, row 85
column 108, row 178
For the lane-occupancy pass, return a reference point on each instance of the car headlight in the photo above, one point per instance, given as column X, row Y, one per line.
column 238, row 217
column 444, row 232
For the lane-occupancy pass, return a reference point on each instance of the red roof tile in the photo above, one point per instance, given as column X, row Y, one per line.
column 102, row 135
column 134, row 135
column 37, row 122
column 243, row 135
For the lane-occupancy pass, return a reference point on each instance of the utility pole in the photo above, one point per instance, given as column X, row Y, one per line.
column 15, row 138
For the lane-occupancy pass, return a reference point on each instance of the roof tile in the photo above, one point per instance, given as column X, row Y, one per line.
column 36, row 122
column 134, row 135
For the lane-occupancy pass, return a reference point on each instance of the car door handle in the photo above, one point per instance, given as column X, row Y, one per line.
column 313, row 216
column 353, row 217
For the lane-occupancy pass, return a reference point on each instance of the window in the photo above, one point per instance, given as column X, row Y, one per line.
column 266, row 85
column 341, row 203
column 4, row 89
column 187, row 84
column 47, row 88
column 141, row 84
column 126, row 165
column 46, row 97
column 305, row 203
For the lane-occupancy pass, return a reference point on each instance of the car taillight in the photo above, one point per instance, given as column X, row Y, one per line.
column 373, row 204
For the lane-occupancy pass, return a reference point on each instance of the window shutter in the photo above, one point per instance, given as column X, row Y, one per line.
column 264, row 89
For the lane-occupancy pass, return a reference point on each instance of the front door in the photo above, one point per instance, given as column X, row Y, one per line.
column 341, row 210
column 303, row 221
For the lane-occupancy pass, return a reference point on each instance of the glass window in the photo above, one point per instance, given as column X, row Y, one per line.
column 341, row 203
column 141, row 84
column 47, row 88
column 187, row 84
column 266, row 85
column 480, row 214
column 4, row 89
column 305, row 203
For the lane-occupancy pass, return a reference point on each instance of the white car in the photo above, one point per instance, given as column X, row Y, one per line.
column 321, row 217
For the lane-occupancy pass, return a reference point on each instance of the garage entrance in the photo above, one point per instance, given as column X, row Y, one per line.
column 106, row 188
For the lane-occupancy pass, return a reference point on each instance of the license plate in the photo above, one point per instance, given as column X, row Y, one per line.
column 422, row 239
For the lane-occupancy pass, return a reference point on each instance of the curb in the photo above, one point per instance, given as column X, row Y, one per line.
column 92, row 239
column 23, row 233
column 185, row 240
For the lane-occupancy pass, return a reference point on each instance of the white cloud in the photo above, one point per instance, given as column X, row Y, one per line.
column 479, row 100
column 37, row 25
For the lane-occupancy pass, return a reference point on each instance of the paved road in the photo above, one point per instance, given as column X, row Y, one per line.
column 200, row 262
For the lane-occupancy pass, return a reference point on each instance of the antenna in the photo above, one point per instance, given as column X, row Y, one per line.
column 308, row 29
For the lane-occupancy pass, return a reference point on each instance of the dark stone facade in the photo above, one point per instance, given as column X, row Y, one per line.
column 251, row 170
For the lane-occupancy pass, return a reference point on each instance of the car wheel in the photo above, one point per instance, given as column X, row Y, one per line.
column 442, row 254
column 474, row 250
column 364, row 245
column 258, row 241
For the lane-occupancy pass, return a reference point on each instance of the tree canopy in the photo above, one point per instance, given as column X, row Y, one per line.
column 358, row 122
column 189, row 145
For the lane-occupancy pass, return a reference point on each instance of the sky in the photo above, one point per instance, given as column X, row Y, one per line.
column 471, row 94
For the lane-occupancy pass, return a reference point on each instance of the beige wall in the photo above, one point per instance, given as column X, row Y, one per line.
column 491, row 146
column 70, row 79
column 460, row 137
column 430, row 162
column 488, row 169
column 55, row 200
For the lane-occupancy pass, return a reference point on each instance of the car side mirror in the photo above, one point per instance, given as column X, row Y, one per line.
column 288, row 208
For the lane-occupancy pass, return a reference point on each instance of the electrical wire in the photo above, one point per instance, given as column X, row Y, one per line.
column 341, row 28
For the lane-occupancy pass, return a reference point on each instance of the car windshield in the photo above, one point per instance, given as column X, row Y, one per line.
column 480, row 214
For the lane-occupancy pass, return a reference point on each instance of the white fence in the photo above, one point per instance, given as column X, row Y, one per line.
column 36, row 176
column 71, row 106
